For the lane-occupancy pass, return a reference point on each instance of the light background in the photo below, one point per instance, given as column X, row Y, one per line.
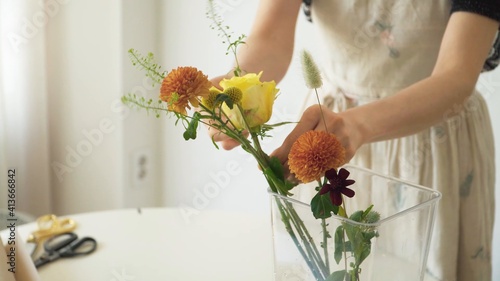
column 88, row 71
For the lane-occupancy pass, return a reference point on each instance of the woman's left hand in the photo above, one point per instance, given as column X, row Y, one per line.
column 340, row 124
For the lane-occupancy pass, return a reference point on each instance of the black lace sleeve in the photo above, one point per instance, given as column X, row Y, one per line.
column 488, row 8
column 306, row 7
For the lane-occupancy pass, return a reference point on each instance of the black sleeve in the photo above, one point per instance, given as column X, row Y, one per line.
column 488, row 8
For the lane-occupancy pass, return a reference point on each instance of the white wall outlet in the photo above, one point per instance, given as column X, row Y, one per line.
column 142, row 165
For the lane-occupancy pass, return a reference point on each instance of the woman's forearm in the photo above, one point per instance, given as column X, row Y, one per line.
column 269, row 47
column 268, row 55
column 415, row 108
column 435, row 98
column 255, row 56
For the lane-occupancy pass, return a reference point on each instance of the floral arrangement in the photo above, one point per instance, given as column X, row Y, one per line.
column 240, row 108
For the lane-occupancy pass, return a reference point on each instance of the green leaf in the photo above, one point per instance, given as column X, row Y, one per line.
column 278, row 171
column 339, row 244
column 214, row 143
column 340, row 275
column 190, row 132
column 322, row 207
column 220, row 98
column 264, row 129
column 269, row 127
column 360, row 247
column 367, row 211
column 372, row 217
column 275, row 165
column 277, row 185
column 367, row 236
column 364, row 252
column 356, row 216
column 348, row 246
column 341, row 212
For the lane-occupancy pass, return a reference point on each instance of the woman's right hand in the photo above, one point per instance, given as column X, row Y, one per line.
column 225, row 141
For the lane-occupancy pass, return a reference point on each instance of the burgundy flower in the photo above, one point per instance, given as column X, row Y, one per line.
column 337, row 185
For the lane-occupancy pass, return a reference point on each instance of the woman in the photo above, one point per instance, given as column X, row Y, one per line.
column 403, row 75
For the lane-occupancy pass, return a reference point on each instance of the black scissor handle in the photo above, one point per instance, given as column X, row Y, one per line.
column 83, row 246
column 59, row 241
column 65, row 245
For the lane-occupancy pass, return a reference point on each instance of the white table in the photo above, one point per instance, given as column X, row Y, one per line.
column 159, row 244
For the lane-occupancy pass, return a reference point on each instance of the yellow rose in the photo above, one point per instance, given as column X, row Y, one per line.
column 257, row 100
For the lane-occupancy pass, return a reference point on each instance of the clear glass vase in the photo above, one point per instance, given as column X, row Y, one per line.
column 306, row 248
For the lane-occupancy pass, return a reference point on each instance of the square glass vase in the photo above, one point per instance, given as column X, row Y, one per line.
column 393, row 248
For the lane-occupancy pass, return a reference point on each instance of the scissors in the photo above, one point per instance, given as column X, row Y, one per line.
column 65, row 245
column 50, row 225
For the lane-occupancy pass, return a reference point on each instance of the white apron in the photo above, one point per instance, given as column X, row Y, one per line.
column 376, row 48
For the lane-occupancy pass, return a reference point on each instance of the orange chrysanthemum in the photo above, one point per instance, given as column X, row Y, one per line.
column 184, row 86
column 314, row 153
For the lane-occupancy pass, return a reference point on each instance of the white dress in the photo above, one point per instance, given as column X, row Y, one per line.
column 378, row 47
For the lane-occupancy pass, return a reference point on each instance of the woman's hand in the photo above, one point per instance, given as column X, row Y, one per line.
column 226, row 142
column 340, row 124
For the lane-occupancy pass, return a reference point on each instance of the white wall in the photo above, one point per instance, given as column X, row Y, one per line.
column 91, row 132
column 142, row 149
column 84, row 79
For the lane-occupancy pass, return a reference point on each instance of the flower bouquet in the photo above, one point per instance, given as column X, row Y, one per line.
column 321, row 237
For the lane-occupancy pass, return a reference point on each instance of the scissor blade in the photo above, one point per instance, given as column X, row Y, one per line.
column 46, row 258
column 41, row 261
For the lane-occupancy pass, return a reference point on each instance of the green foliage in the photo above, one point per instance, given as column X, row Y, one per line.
column 277, row 185
column 339, row 244
column 360, row 243
column 224, row 32
column 190, row 132
column 322, row 207
column 277, row 168
column 223, row 98
column 356, row 239
column 157, row 108
column 340, row 275
column 148, row 64
column 265, row 128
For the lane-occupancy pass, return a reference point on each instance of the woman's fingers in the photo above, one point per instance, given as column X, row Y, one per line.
column 229, row 144
column 309, row 121
column 226, row 142
column 312, row 119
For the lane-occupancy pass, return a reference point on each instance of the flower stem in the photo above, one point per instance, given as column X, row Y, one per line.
column 150, row 67
column 285, row 216
column 344, row 235
column 321, row 109
column 290, row 218
column 263, row 159
column 325, row 244
column 307, row 239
